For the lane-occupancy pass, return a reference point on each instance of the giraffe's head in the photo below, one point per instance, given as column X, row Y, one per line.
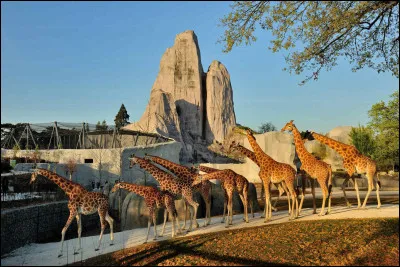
column 34, row 176
column 116, row 187
column 147, row 156
column 233, row 145
column 193, row 169
column 197, row 180
column 308, row 136
column 288, row 127
column 132, row 161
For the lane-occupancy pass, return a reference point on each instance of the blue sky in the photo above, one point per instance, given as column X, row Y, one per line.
column 78, row 61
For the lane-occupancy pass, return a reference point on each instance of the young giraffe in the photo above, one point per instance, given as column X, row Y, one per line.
column 250, row 154
column 187, row 174
column 275, row 172
column 153, row 198
column 315, row 168
column 169, row 183
column 80, row 202
column 353, row 161
column 242, row 187
column 228, row 176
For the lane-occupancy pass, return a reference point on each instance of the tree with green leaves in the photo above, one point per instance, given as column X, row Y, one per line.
column 385, row 123
column 363, row 139
column 122, row 117
column 366, row 33
column 266, row 127
column 101, row 126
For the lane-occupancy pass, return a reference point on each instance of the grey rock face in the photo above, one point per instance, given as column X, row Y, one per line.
column 220, row 112
column 185, row 103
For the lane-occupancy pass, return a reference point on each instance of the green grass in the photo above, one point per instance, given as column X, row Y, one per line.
column 324, row 242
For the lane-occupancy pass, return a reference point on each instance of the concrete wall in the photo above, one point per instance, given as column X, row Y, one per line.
column 106, row 162
column 277, row 145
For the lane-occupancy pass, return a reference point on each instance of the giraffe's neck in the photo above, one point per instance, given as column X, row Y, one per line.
column 135, row 188
column 214, row 175
column 177, row 169
column 300, row 148
column 248, row 153
column 258, row 152
column 207, row 169
column 336, row 145
column 158, row 174
column 63, row 183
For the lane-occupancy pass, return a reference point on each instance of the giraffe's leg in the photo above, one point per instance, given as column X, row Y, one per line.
column 285, row 187
column 303, row 193
column 165, row 222
column 189, row 197
column 358, row 194
column 102, row 214
column 344, row 190
column 179, row 231
column 185, row 204
column 110, row 221
column 229, row 208
column 268, row 210
column 293, row 196
column 281, row 191
column 329, row 198
column 72, row 214
column 263, row 191
column 155, row 225
column 225, row 205
column 324, row 196
column 148, row 229
column 370, row 177
column 79, row 222
column 244, row 201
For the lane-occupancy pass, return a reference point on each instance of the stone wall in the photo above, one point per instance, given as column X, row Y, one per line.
column 39, row 223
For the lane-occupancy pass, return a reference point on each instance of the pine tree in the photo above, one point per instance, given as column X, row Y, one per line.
column 104, row 125
column 121, row 119
column 98, row 126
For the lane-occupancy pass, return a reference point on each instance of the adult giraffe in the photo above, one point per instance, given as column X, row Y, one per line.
column 315, row 168
column 80, row 202
column 353, row 161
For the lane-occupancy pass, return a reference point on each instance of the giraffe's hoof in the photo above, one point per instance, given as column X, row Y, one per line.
column 314, row 212
column 96, row 249
column 378, row 207
column 160, row 236
column 327, row 213
column 363, row 208
column 145, row 242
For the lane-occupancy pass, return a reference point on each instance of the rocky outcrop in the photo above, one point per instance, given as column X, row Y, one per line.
column 187, row 104
column 220, row 113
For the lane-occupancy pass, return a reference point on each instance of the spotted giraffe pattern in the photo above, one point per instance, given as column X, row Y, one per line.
column 275, row 172
column 250, row 154
column 187, row 174
column 80, row 202
column 153, row 199
column 228, row 177
column 316, row 169
column 241, row 185
column 169, row 183
column 353, row 161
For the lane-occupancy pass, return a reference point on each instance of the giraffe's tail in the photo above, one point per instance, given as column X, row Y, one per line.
column 378, row 182
column 330, row 181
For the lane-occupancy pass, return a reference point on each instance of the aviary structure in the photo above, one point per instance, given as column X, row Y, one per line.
column 169, row 183
column 353, row 161
column 188, row 175
column 275, row 172
column 153, row 198
column 80, row 202
column 317, row 169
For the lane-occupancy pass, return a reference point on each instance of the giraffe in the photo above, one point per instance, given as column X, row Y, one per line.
column 250, row 154
column 275, row 172
column 153, row 198
column 169, row 183
column 228, row 176
column 353, row 161
column 80, row 202
column 316, row 169
column 187, row 174
column 241, row 184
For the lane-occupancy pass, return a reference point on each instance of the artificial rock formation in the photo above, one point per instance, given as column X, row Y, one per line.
column 187, row 104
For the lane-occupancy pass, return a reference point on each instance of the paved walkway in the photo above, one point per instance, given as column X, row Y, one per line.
column 46, row 254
